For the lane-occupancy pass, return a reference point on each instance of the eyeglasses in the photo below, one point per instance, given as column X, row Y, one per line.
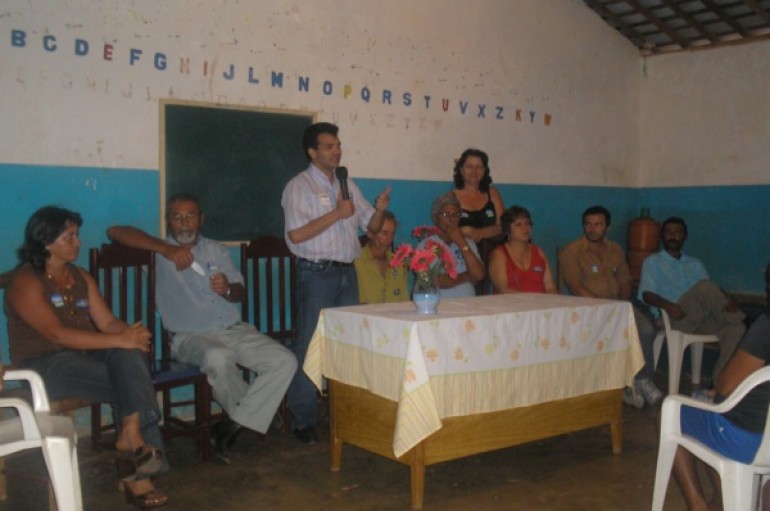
column 189, row 217
column 456, row 214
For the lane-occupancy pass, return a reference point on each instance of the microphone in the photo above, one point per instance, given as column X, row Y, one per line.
column 342, row 177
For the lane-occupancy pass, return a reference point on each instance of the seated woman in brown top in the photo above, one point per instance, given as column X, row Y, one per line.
column 480, row 202
column 518, row 265
column 60, row 327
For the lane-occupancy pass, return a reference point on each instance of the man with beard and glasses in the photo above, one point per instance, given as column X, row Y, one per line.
column 596, row 267
column 679, row 284
column 198, row 289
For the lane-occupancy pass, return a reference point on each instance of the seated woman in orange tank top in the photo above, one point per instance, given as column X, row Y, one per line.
column 518, row 265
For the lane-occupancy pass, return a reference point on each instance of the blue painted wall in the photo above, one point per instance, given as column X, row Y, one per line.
column 556, row 210
column 729, row 229
column 102, row 196
column 728, row 225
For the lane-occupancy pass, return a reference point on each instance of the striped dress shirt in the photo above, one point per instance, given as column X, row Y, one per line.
column 310, row 195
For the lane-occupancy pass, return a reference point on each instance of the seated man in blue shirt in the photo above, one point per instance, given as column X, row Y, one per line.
column 197, row 289
column 679, row 284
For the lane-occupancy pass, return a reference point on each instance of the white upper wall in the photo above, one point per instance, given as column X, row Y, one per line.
column 705, row 118
column 554, row 58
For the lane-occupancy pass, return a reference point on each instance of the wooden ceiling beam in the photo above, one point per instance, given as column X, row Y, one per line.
column 724, row 17
column 759, row 10
column 689, row 19
column 718, row 44
column 638, row 40
column 705, row 24
column 658, row 23
column 665, row 26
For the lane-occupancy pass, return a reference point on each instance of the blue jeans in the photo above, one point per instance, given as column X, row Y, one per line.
column 317, row 288
column 117, row 376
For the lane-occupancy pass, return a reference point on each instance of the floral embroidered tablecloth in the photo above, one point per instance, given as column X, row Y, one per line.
column 477, row 355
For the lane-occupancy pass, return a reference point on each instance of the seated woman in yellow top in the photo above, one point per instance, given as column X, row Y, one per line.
column 378, row 282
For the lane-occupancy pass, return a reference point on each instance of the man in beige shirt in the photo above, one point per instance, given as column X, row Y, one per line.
column 596, row 267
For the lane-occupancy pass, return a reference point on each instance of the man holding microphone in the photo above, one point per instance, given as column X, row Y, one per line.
column 323, row 212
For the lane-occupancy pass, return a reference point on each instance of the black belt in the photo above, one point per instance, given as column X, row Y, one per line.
column 323, row 263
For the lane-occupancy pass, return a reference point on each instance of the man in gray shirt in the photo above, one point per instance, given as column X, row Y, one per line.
column 197, row 291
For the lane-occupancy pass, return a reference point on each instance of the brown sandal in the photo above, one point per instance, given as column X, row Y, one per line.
column 150, row 500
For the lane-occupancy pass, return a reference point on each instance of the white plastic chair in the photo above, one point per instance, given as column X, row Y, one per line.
column 55, row 435
column 741, row 483
column 677, row 342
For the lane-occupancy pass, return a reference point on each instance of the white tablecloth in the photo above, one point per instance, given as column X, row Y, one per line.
column 476, row 355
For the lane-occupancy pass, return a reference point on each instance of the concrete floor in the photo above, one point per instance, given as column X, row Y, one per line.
column 276, row 472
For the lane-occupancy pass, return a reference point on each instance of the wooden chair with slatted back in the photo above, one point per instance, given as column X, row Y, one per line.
column 126, row 278
column 486, row 246
column 561, row 285
column 269, row 271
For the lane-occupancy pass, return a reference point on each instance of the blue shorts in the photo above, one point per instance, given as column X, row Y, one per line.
column 721, row 435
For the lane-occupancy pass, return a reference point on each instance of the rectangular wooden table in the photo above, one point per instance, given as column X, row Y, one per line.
column 484, row 373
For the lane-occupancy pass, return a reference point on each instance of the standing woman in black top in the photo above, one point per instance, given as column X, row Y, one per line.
column 480, row 202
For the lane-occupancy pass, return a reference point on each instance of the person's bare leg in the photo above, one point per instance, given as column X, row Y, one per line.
column 687, row 478
column 130, row 438
column 716, row 500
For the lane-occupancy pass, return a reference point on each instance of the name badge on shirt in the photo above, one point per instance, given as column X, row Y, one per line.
column 538, row 269
column 325, row 200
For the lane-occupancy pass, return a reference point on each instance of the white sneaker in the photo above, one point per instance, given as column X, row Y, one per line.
column 651, row 393
column 633, row 398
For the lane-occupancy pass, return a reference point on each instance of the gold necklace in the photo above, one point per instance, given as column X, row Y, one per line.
column 65, row 296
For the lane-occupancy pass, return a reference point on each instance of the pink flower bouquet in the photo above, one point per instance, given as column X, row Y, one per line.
column 427, row 262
